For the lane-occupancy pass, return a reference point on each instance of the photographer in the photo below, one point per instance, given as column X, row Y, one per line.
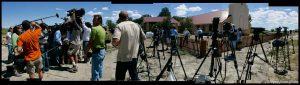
column 74, row 47
column 232, row 36
column 127, row 36
column 239, row 35
column 200, row 33
column 28, row 44
column 173, row 36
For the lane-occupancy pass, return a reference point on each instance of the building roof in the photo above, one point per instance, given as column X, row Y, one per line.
column 159, row 19
column 208, row 17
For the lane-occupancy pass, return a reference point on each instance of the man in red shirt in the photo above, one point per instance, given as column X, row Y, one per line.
column 28, row 44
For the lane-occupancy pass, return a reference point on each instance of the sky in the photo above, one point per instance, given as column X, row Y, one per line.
column 269, row 17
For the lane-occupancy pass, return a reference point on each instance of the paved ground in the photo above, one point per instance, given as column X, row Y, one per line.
column 262, row 72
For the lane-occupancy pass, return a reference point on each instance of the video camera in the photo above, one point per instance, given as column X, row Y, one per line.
column 257, row 30
column 79, row 13
column 227, row 26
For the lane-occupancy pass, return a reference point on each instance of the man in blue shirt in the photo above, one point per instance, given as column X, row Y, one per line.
column 57, row 45
column 173, row 35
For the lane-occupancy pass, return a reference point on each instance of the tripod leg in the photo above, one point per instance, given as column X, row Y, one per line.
column 181, row 63
column 158, row 59
column 164, row 69
column 148, row 69
column 202, row 63
column 266, row 59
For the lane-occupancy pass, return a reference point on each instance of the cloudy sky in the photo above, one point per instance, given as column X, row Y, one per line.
column 263, row 15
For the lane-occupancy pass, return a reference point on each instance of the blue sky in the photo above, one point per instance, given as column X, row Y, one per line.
column 263, row 16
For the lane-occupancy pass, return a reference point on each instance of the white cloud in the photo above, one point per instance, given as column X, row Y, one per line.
column 134, row 14
column 287, row 9
column 95, row 9
column 215, row 10
column 105, row 8
column 182, row 9
column 114, row 17
column 59, row 9
column 93, row 13
column 268, row 18
column 194, row 9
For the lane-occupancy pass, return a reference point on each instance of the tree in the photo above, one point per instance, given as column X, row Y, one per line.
column 165, row 12
column 110, row 24
column 186, row 24
column 272, row 30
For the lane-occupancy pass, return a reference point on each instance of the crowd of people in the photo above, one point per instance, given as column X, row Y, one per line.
column 34, row 47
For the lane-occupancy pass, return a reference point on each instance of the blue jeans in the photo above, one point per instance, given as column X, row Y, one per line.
column 10, row 55
column 97, row 64
column 45, row 62
column 233, row 44
column 57, row 55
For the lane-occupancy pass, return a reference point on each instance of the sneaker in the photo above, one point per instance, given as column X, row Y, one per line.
column 17, row 74
column 74, row 69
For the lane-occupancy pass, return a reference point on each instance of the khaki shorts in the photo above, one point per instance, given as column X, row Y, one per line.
column 73, row 49
column 35, row 64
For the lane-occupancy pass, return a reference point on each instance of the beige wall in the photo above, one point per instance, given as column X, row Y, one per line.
column 240, row 16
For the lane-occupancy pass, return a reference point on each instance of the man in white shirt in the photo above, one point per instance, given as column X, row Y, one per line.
column 127, row 37
column 86, row 37
column 9, row 45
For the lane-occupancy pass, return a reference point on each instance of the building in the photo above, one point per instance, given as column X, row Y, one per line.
column 204, row 21
column 149, row 21
column 238, row 11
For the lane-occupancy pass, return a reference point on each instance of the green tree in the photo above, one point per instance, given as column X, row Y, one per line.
column 165, row 12
column 186, row 24
column 272, row 30
column 110, row 24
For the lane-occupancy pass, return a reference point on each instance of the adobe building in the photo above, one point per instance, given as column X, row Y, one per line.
column 238, row 11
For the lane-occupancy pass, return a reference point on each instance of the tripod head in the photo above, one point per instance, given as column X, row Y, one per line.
column 257, row 31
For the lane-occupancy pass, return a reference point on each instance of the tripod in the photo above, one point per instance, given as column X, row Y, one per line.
column 226, row 55
column 284, row 46
column 169, row 62
column 142, row 53
column 251, row 54
column 215, row 67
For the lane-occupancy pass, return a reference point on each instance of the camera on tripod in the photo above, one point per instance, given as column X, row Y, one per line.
column 79, row 13
column 257, row 30
column 226, row 27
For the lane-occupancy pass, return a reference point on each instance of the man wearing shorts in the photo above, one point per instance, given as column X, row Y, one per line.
column 75, row 44
column 29, row 42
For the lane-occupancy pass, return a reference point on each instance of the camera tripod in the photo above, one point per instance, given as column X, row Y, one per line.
column 142, row 53
column 169, row 62
column 283, row 45
column 291, row 37
column 155, row 43
column 216, row 65
column 251, row 54
column 227, row 56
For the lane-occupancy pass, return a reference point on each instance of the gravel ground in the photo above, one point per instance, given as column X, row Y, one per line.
column 262, row 72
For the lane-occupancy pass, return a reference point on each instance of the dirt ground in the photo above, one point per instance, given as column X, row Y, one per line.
column 261, row 71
